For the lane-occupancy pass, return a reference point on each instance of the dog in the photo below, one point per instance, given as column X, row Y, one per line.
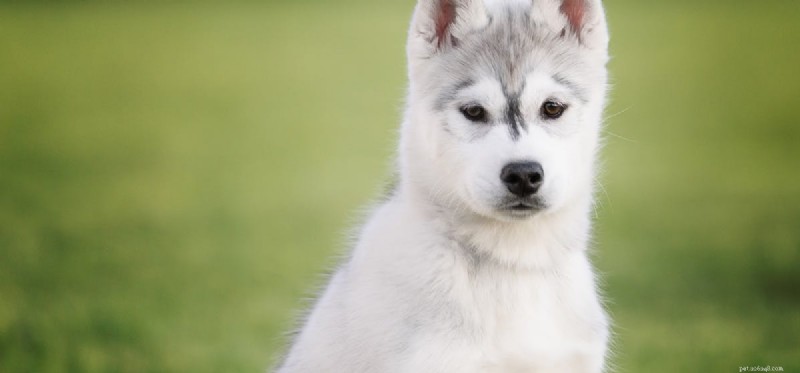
column 477, row 262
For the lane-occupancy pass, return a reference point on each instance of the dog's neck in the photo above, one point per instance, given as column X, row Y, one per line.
column 540, row 242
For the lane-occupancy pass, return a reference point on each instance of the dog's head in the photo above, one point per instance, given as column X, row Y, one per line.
column 505, row 103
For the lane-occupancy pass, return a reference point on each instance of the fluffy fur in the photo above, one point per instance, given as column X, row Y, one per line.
column 447, row 275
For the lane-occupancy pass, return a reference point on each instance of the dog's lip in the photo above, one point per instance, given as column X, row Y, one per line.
column 523, row 205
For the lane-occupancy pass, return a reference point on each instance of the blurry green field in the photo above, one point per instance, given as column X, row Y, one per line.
column 174, row 178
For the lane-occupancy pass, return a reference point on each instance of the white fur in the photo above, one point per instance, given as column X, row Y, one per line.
column 441, row 279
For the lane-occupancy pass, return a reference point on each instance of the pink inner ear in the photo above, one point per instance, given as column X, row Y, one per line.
column 574, row 10
column 445, row 16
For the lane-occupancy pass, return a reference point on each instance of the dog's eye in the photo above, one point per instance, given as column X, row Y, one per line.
column 553, row 110
column 475, row 113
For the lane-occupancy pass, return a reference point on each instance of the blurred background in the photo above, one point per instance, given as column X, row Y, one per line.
column 175, row 176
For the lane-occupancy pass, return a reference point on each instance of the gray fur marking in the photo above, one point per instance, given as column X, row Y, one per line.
column 574, row 88
column 450, row 93
column 508, row 51
column 514, row 118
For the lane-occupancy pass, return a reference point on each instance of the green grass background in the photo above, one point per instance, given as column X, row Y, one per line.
column 175, row 176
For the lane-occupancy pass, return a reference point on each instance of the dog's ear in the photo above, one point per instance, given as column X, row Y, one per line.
column 575, row 11
column 441, row 23
column 585, row 19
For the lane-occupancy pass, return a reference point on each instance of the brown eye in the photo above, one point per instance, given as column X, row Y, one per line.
column 553, row 110
column 475, row 113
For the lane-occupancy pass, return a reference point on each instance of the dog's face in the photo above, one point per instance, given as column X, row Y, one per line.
column 505, row 103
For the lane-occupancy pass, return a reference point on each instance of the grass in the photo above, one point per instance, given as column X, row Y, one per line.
column 174, row 177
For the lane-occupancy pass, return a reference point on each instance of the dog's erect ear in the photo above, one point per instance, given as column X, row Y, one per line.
column 583, row 20
column 586, row 20
column 574, row 10
column 441, row 23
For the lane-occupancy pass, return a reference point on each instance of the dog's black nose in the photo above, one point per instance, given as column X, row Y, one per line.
column 522, row 178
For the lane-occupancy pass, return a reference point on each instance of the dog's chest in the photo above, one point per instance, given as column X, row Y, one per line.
column 530, row 321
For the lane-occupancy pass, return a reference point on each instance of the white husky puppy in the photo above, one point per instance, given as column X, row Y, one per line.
column 477, row 262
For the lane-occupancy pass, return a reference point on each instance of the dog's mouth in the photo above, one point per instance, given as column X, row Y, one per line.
column 523, row 207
